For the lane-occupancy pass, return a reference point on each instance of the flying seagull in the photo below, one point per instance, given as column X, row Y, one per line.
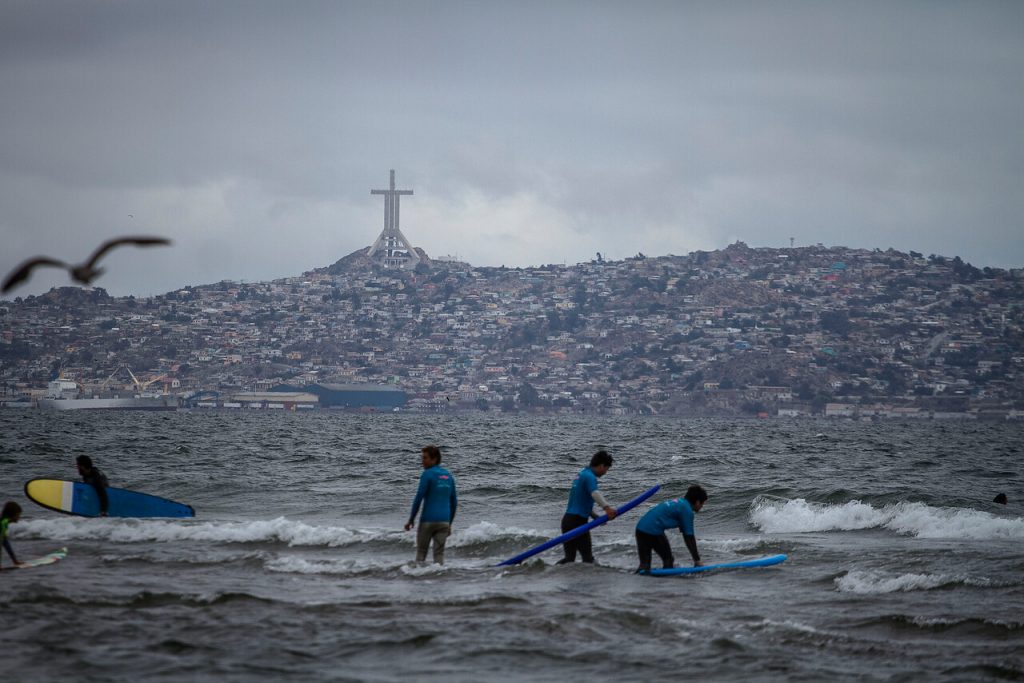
column 83, row 272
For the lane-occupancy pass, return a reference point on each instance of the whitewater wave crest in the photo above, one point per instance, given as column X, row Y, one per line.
column 866, row 582
column 774, row 515
column 488, row 532
column 278, row 530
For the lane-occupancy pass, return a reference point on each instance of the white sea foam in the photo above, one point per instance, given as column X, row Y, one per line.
column 733, row 544
column 938, row 621
column 177, row 556
column 301, row 565
column 913, row 519
column 688, row 628
column 358, row 565
column 866, row 582
column 790, row 625
column 412, row 569
column 795, row 516
column 486, row 532
column 280, row 530
column 602, row 537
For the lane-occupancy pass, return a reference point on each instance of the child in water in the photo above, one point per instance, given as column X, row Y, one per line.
column 11, row 513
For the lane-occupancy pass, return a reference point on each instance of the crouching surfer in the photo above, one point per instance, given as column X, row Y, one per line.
column 669, row 514
column 437, row 494
column 582, row 497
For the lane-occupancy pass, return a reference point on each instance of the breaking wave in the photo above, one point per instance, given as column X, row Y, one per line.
column 798, row 515
column 278, row 530
column 866, row 582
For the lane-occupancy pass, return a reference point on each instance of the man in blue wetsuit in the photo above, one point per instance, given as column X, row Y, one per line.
column 669, row 514
column 582, row 497
column 439, row 499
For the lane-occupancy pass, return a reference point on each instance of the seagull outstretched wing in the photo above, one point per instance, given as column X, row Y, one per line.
column 118, row 241
column 22, row 272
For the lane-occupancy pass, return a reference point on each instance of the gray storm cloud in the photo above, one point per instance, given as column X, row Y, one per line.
column 251, row 133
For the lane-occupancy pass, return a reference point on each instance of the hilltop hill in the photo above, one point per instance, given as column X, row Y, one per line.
column 359, row 261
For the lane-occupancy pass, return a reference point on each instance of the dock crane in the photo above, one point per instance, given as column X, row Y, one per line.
column 140, row 386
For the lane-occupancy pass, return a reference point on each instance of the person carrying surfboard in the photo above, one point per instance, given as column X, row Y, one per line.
column 94, row 476
column 582, row 497
column 669, row 514
column 10, row 515
column 439, row 498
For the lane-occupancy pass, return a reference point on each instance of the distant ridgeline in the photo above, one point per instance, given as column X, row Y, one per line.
column 851, row 333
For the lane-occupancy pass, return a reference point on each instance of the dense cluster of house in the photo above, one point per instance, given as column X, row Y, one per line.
column 761, row 332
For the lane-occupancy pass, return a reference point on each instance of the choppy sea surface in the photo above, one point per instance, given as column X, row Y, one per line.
column 296, row 566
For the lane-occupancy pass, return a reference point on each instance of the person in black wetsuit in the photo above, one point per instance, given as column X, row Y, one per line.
column 10, row 514
column 1001, row 499
column 94, row 476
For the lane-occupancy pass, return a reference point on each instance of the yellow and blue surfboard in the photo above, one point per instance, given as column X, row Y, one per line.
column 77, row 498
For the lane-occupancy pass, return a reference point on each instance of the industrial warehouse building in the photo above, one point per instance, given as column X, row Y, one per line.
column 350, row 396
column 280, row 400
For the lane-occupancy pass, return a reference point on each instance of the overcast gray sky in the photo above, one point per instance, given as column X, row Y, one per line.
column 251, row 133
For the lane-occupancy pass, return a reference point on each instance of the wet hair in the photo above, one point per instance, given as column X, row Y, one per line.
column 84, row 461
column 1001, row 498
column 601, row 458
column 11, row 510
column 696, row 494
column 434, row 453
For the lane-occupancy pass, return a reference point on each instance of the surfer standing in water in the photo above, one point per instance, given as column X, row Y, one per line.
column 582, row 497
column 10, row 515
column 94, row 477
column 650, row 530
column 437, row 494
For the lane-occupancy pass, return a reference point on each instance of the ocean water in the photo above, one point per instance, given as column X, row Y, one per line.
column 296, row 566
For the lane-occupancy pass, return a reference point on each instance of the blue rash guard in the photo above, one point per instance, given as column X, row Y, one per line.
column 668, row 514
column 581, row 497
column 437, row 493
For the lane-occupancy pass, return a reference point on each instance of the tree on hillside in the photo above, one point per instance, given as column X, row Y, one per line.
column 528, row 396
column 836, row 322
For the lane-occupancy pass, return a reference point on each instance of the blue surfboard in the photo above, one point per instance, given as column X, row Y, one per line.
column 77, row 498
column 558, row 540
column 759, row 562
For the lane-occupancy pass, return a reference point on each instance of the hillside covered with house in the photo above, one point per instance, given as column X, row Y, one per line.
column 827, row 331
